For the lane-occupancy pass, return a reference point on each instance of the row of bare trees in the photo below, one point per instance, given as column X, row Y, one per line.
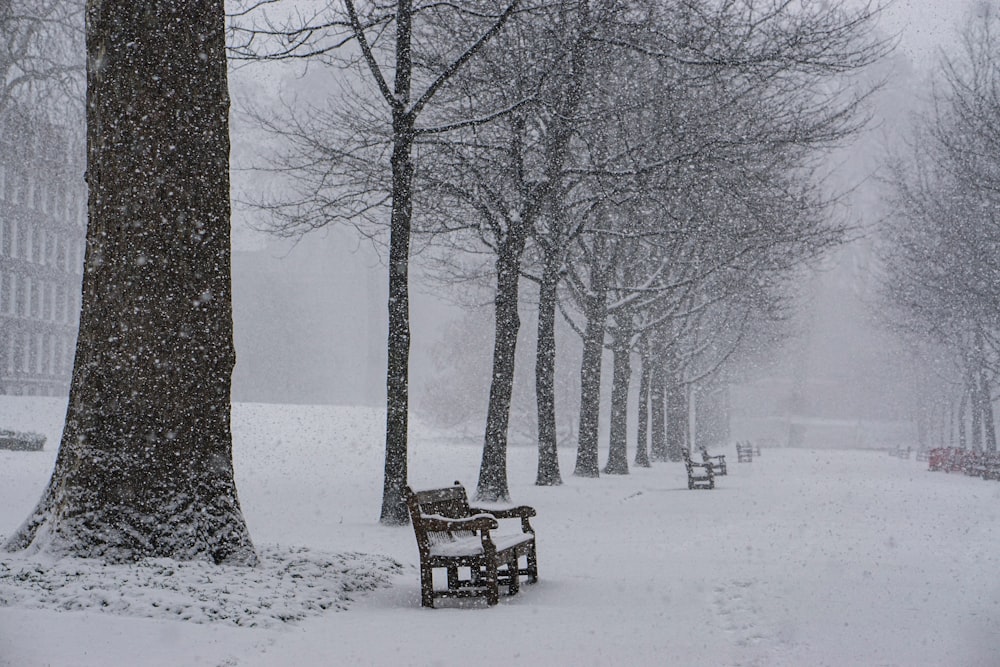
column 944, row 234
column 650, row 167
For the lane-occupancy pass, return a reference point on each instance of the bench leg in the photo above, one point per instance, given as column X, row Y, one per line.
column 426, row 586
column 453, row 578
column 514, row 583
column 532, row 564
column 492, row 586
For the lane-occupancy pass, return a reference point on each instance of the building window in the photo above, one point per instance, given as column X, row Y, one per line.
column 25, row 353
column 36, row 300
column 11, row 352
column 21, row 233
column 10, row 305
column 23, row 290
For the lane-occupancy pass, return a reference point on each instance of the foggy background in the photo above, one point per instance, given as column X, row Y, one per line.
column 311, row 314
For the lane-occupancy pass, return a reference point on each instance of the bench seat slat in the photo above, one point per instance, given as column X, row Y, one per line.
column 473, row 546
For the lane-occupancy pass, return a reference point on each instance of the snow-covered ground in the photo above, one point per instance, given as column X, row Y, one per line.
column 799, row 558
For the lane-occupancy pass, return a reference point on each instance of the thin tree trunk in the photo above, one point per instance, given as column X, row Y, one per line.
column 545, row 372
column 590, row 386
column 493, row 469
column 963, row 440
column 989, row 429
column 397, row 381
column 394, row 510
column 621, row 376
column 975, row 403
column 658, row 422
column 677, row 416
column 642, row 430
column 145, row 463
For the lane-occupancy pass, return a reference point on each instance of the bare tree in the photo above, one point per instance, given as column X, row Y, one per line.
column 940, row 241
column 408, row 68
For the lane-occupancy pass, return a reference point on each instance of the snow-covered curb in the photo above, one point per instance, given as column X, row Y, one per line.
column 289, row 584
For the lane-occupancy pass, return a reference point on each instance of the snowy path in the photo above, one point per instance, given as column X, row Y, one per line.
column 800, row 558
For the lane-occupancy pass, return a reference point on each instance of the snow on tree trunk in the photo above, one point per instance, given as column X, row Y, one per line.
column 145, row 463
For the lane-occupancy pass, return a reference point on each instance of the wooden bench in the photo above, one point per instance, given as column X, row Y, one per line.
column 900, row 452
column 744, row 452
column 718, row 462
column 451, row 535
column 700, row 475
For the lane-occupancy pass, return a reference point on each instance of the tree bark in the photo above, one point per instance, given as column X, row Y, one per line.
column 145, row 462
column 493, row 469
column 590, row 382
column 397, row 400
column 621, row 376
column 545, row 374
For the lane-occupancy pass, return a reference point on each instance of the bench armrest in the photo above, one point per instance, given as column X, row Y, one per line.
column 519, row 512
column 438, row 523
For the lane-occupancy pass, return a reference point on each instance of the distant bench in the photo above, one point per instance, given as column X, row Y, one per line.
column 452, row 535
column 744, row 452
column 22, row 442
column 718, row 461
column 900, row 452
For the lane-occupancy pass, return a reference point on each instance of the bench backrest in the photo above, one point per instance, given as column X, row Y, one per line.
column 451, row 502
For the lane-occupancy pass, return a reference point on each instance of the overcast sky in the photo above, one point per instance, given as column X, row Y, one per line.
column 924, row 26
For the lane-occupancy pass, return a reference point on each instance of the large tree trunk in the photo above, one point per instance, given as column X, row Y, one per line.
column 621, row 376
column 545, row 375
column 642, row 431
column 493, row 470
column 145, row 464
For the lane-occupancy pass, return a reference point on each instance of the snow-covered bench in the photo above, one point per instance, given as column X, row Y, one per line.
column 700, row 475
column 452, row 535
column 744, row 452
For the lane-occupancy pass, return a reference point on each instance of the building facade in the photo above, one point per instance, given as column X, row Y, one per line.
column 43, row 201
